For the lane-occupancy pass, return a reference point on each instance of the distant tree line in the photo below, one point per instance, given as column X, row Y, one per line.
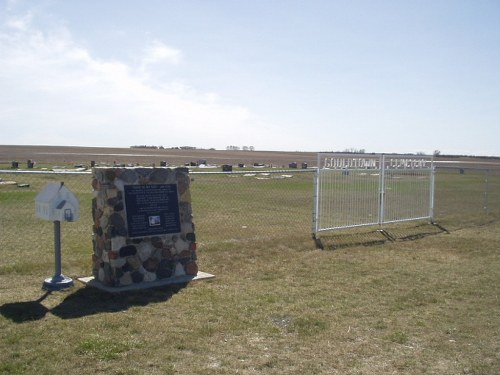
column 163, row 148
column 229, row 148
column 354, row 151
column 147, row 146
column 237, row 148
column 362, row 151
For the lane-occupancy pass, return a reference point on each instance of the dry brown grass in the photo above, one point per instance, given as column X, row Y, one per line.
column 428, row 306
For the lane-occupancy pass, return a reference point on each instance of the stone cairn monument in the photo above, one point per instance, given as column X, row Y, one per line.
column 143, row 229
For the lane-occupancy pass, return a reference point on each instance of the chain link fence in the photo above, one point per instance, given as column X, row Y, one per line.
column 466, row 197
column 231, row 207
column 227, row 207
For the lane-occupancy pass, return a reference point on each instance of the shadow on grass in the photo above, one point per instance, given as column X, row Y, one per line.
column 88, row 301
column 346, row 238
column 20, row 312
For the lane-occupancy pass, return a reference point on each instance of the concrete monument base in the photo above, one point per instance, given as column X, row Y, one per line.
column 90, row 281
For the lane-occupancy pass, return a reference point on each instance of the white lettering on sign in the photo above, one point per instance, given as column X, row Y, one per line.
column 374, row 163
column 404, row 163
column 351, row 163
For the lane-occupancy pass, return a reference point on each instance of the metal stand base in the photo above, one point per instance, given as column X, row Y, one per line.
column 56, row 283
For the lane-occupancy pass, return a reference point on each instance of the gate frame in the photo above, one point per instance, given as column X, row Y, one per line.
column 380, row 163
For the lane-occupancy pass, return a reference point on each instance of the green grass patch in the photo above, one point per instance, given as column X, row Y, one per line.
column 102, row 348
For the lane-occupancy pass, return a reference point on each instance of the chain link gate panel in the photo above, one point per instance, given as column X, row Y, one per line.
column 353, row 190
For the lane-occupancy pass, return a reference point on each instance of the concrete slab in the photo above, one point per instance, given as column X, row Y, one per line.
column 90, row 281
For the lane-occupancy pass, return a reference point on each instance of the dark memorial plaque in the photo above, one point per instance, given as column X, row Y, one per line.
column 152, row 209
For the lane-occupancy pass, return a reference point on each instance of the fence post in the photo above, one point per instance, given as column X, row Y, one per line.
column 431, row 192
column 486, row 191
column 381, row 190
column 315, row 215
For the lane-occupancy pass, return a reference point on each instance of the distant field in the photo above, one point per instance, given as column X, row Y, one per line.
column 79, row 155
column 67, row 155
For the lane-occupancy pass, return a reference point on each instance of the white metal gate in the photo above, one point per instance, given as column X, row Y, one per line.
column 353, row 190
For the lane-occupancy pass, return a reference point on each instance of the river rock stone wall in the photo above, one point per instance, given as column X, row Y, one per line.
column 120, row 260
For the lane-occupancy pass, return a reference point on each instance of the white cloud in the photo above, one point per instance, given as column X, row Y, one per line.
column 20, row 23
column 53, row 91
column 158, row 52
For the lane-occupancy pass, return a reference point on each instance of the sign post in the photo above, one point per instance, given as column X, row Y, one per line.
column 57, row 203
column 58, row 281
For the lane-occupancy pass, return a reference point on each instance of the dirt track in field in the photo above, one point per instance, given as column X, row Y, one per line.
column 68, row 155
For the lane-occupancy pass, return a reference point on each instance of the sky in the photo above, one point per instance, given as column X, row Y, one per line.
column 406, row 76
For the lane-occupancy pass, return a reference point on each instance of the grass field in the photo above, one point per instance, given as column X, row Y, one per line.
column 429, row 306
column 277, row 304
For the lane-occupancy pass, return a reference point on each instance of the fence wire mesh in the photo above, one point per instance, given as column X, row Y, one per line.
column 346, row 199
column 231, row 207
column 363, row 197
column 227, row 207
column 466, row 197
